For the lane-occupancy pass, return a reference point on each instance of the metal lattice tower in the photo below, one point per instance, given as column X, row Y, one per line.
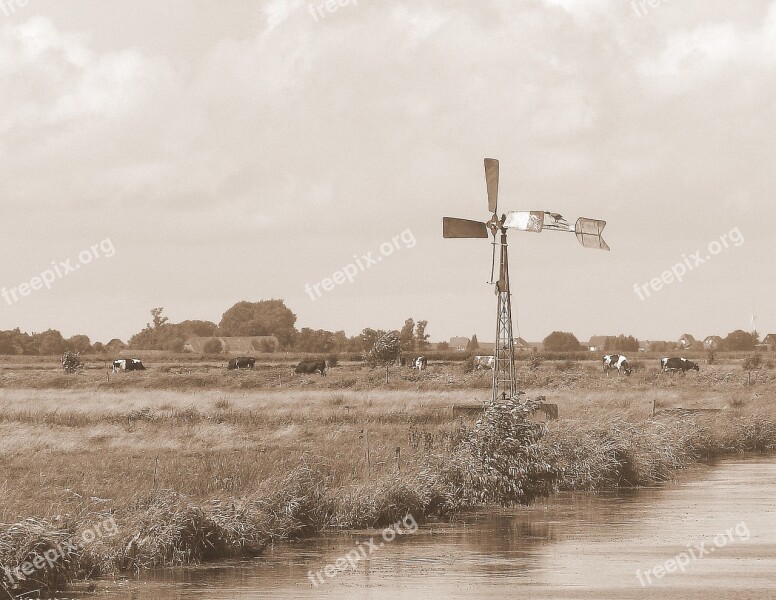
column 504, row 384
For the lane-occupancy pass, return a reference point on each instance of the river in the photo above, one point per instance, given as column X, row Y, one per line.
column 617, row 545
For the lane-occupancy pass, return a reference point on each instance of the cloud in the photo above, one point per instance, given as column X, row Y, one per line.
column 279, row 11
column 709, row 52
column 48, row 78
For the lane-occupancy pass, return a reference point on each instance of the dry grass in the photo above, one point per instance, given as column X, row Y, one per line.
column 225, row 462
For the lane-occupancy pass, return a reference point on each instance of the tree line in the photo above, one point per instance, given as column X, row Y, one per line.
column 273, row 318
column 264, row 318
column 563, row 341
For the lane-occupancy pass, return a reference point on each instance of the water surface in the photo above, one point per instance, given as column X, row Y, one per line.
column 573, row 546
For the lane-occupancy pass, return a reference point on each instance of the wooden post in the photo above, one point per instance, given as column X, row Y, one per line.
column 368, row 455
column 156, row 465
column 386, row 374
column 398, row 459
column 654, row 402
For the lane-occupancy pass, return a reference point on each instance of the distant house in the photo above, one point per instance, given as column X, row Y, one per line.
column 712, row 342
column 687, row 342
column 769, row 341
column 459, row 343
column 235, row 345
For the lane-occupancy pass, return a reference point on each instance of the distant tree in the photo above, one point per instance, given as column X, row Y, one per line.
column 265, row 345
column 8, row 343
column 199, row 328
column 158, row 319
column 340, row 341
column 739, row 340
column 98, row 347
column 49, row 342
column 385, row 349
column 561, row 341
column 421, row 337
column 369, row 337
column 265, row 317
column 406, row 336
column 473, row 344
column 79, row 344
column 314, row 340
column 622, row 343
column 213, row 346
column 166, row 336
column 355, row 344
column 443, row 346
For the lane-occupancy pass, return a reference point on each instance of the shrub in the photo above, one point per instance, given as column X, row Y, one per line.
column 535, row 359
column 498, row 461
column 71, row 362
column 332, row 360
column 467, row 366
column 213, row 346
column 752, row 362
column 267, row 346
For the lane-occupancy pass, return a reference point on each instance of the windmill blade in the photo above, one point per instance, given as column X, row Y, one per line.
column 589, row 233
column 491, row 180
column 463, row 228
column 525, row 220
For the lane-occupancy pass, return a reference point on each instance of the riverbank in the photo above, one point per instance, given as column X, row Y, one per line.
column 197, row 477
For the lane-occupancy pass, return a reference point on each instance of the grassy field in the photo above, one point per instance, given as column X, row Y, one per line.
column 195, row 462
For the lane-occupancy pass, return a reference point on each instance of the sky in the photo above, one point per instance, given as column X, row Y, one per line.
column 192, row 154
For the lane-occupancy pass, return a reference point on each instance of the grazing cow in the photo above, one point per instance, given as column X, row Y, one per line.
column 128, row 364
column 484, row 362
column 672, row 365
column 311, row 366
column 420, row 363
column 241, row 362
column 616, row 361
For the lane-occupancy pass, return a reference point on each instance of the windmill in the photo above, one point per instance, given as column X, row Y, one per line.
column 588, row 232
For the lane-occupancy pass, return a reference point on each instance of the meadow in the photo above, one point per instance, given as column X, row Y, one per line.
column 195, row 462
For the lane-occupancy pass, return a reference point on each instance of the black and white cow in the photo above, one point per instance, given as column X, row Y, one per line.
column 128, row 364
column 616, row 361
column 484, row 362
column 311, row 366
column 420, row 363
column 672, row 365
column 241, row 362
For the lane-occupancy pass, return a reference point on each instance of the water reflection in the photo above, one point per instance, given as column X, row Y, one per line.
column 575, row 546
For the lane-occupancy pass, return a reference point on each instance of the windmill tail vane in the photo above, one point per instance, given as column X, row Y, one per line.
column 588, row 233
